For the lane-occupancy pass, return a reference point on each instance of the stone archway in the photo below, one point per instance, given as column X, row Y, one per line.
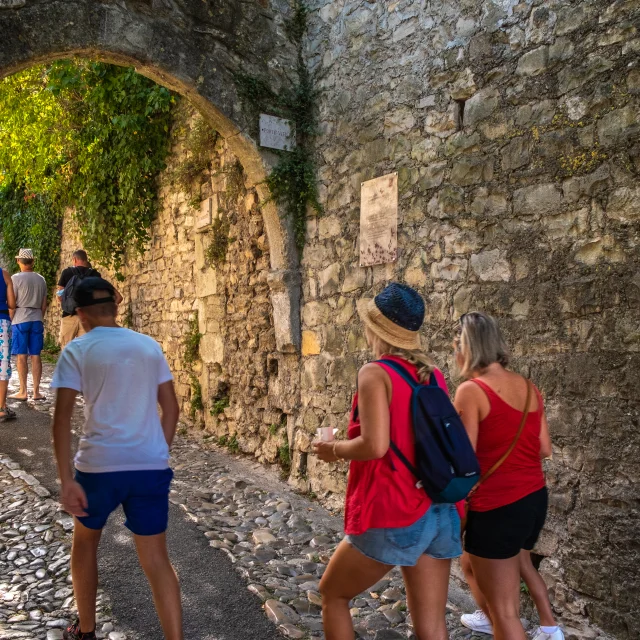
column 194, row 48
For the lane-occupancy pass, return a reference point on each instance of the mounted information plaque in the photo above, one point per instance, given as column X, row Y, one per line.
column 379, row 220
column 205, row 216
column 277, row 133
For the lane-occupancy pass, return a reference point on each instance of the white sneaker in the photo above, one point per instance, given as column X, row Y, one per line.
column 541, row 635
column 478, row 621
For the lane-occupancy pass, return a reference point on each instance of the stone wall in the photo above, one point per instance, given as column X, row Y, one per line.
column 247, row 387
column 514, row 130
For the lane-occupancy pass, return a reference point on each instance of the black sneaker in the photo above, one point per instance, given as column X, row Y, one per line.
column 73, row 633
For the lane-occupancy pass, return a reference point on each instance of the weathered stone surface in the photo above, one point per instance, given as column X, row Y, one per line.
column 491, row 266
column 537, row 200
column 481, row 106
column 534, row 62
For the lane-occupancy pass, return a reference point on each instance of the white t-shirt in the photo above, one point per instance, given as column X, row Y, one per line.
column 118, row 372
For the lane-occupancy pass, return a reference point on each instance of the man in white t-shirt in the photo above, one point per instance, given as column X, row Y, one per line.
column 123, row 456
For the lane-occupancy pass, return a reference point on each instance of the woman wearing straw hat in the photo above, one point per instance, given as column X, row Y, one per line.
column 389, row 521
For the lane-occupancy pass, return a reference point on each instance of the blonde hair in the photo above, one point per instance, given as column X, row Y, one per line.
column 423, row 363
column 481, row 343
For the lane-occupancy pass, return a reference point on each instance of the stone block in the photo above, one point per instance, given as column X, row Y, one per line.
column 624, row 205
column 315, row 313
column 329, row 279
column 401, row 119
column 617, row 127
column 206, row 282
column 472, row 171
column 314, row 374
column 310, row 343
column 540, row 199
column 586, row 186
column 480, row 106
column 515, row 154
column 432, row 176
column 212, row 348
column 449, row 269
column 447, row 202
column 354, row 279
column 486, row 203
column 533, row 63
column 491, row 266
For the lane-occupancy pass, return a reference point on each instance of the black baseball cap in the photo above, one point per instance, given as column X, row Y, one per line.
column 83, row 294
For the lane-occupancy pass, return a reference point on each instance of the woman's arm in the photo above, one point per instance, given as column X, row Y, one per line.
column 467, row 405
column 374, row 391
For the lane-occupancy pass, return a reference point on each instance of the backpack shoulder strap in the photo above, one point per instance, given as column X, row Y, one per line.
column 401, row 371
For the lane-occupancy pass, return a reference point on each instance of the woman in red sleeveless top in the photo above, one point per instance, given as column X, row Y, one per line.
column 389, row 521
column 508, row 510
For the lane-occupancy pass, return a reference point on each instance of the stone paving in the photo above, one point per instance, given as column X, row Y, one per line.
column 279, row 541
column 36, row 597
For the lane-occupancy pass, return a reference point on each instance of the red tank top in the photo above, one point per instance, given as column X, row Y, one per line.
column 521, row 473
column 382, row 493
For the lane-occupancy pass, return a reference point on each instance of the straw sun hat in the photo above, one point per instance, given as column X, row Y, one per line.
column 395, row 315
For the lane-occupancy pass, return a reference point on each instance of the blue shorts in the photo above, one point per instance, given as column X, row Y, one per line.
column 27, row 338
column 436, row 534
column 144, row 496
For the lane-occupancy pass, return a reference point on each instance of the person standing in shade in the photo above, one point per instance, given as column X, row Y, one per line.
column 70, row 326
column 7, row 305
column 123, row 455
column 27, row 323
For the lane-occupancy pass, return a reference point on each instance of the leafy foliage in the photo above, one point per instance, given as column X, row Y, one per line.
column 191, row 342
column 93, row 136
column 219, row 405
column 200, row 141
column 29, row 220
column 217, row 250
column 292, row 182
column 196, row 397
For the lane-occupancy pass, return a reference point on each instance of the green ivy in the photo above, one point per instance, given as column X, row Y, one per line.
column 29, row 220
column 292, row 182
column 219, row 405
column 199, row 143
column 196, row 397
column 92, row 136
column 191, row 342
column 216, row 252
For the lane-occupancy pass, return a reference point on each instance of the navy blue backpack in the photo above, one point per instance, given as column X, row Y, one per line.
column 446, row 464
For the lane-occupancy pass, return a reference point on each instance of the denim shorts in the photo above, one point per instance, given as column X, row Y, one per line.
column 27, row 338
column 436, row 534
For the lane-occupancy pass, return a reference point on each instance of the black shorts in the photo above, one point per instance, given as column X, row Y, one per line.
column 502, row 533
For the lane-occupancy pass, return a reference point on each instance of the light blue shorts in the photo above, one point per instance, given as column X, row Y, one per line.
column 436, row 534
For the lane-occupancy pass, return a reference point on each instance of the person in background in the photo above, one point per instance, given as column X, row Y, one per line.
column 7, row 305
column 27, row 323
column 508, row 510
column 123, row 455
column 70, row 326
column 389, row 520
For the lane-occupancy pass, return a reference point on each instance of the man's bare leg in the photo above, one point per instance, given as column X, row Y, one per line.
column 21, row 365
column 36, row 374
column 84, row 573
column 154, row 559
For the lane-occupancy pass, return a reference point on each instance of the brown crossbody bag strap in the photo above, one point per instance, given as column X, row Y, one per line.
column 505, row 455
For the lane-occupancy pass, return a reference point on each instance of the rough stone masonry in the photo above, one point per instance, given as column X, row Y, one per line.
column 514, row 129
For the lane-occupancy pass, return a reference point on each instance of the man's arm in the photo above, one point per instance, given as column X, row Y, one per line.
column 72, row 496
column 44, row 303
column 170, row 410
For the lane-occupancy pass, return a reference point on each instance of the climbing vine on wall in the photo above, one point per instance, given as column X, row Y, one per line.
column 292, row 182
column 30, row 220
column 92, row 136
